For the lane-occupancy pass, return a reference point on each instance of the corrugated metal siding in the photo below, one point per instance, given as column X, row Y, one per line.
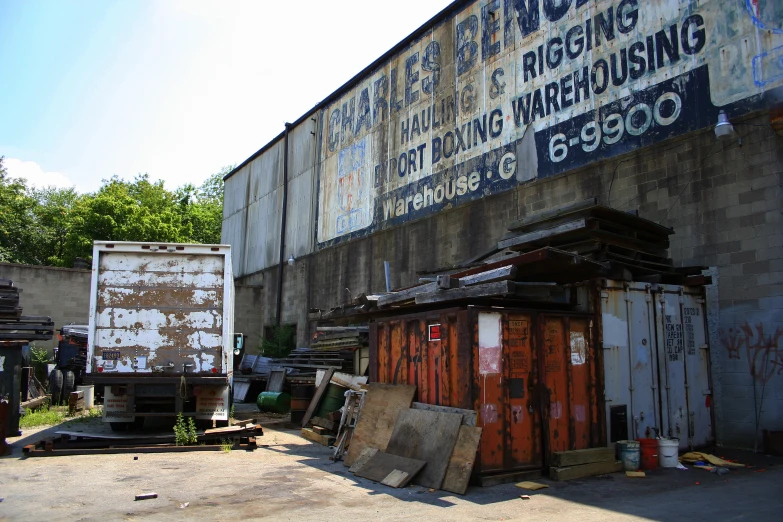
column 233, row 233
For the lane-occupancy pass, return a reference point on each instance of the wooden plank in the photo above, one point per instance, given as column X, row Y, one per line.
column 322, row 431
column 571, row 226
column 323, row 423
column 547, row 215
column 406, row 294
column 585, row 470
column 583, row 456
column 312, row 436
column 380, row 465
column 276, row 380
column 446, row 281
column 462, row 459
column 497, row 274
column 468, row 416
column 34, row 403
column 396, row 479
column 483, row 290
column 367, row 453
column 319, row 392
column 378, row 416
column 429, row 436
column 506, row 478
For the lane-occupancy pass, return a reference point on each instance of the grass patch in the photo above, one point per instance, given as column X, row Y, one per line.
column 226, row 445
column 43, row 416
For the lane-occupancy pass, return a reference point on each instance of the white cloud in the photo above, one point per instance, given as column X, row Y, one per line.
column 35, row 175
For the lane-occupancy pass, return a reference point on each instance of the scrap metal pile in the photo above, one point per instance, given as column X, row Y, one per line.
column 537, row 261
column 15, row 327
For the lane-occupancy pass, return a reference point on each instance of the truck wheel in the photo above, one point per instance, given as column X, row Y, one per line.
column 56, row 386
column 69, row 384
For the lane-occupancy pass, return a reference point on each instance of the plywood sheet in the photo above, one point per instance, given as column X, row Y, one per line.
column 429, row 436
column 462, row 459
column 382, row 405
column 468, row 416
column 381, row 465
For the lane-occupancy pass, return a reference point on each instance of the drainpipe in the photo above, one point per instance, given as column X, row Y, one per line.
column 282, row 229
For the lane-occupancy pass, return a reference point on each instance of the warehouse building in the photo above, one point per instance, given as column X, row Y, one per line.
column 495, row 110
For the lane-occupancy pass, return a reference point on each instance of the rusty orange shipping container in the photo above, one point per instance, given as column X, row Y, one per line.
column 531, row 376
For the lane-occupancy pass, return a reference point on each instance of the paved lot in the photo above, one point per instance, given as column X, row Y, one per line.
column 289, row 478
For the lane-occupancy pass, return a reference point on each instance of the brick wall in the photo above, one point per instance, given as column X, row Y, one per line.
column 723, row 201
column 60, row 293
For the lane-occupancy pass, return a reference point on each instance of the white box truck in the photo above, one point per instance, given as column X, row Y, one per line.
column 160, row 331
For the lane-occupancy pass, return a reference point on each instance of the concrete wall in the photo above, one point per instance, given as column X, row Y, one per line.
column 722, row 199
column 60, row 293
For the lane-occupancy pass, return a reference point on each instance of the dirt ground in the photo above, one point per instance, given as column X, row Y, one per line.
column 289, row 478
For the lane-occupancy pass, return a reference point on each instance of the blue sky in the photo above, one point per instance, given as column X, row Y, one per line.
column 175, row 88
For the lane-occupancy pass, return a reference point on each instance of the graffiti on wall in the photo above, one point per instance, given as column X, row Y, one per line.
column 508, row 91
column 762, row 349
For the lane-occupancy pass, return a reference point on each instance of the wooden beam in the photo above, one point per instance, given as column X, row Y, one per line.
column 571, row 226
column 319, row 392
column 582, row 456
column 585, row 470
column 467, row 292
column 546, row 215
column 497, row 274
column 446, row 282
column 406, row 294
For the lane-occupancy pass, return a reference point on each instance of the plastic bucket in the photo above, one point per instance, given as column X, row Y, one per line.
column 649, row 458
column 668, row 450
column 629, row 454
column 89, row 395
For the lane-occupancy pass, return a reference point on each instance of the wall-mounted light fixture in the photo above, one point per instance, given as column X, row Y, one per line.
column 291, row 260
column 724, row 129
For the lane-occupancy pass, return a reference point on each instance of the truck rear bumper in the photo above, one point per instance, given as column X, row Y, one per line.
column 169, row 378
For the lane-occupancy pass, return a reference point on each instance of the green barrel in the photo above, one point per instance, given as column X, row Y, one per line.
column 275, row 402
column 333, row 400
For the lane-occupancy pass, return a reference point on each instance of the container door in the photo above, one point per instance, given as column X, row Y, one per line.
column 569, row 407
column 683, row 359
column 630, row 361
column 522, row 414
column 697, row 357
column 492, row 400
column 671, row 361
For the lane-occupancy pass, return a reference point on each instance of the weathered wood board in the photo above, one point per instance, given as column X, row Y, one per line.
column 585, row 470
column 396, row 479
column 462, row 459
column 362, row 459
column 382, row 405
column 468, row 416
column 583, row 456
column 429, row 436
column 319, row 393
column 381, row 465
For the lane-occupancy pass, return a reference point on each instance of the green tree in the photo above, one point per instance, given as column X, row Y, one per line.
column 202, row 207
column 17, row 220
column 140, row 210
column 53, row 221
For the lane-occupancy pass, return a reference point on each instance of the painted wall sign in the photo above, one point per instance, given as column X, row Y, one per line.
column 510, row 91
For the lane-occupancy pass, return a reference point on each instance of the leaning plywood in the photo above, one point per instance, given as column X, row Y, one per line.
column 429, row 436
column 392, row 470
column 468, row 416
column 462, row 459
column 382, row 405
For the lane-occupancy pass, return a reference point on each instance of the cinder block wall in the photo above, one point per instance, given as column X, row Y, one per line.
column 60, row 293
column 723, row 200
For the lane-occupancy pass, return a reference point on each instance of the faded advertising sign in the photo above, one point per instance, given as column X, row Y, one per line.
column 509, row 91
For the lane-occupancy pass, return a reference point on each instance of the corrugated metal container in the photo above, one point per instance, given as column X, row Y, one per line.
column 531, row 376
column 656, row 362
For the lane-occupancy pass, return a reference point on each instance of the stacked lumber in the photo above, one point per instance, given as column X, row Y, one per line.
column 309, row 361
column 14, row 326
column 623, row 240
column 569, row 465
column 9, row 300
column 341, row 338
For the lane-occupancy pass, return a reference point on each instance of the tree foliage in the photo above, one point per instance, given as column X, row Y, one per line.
column 55, row 226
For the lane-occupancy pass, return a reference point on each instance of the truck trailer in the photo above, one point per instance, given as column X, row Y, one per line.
column 160, row 331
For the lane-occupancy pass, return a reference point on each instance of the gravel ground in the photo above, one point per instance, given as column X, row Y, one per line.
column 289, row 478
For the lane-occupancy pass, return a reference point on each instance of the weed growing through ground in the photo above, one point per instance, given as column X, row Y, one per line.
column 43, row 416
column 226, row 445
column 185, row 432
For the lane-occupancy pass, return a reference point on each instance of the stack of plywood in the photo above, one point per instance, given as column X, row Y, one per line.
column 569, row 465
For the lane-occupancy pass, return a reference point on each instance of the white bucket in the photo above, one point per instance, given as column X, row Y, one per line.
column 89, row 396
column 668, row 452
